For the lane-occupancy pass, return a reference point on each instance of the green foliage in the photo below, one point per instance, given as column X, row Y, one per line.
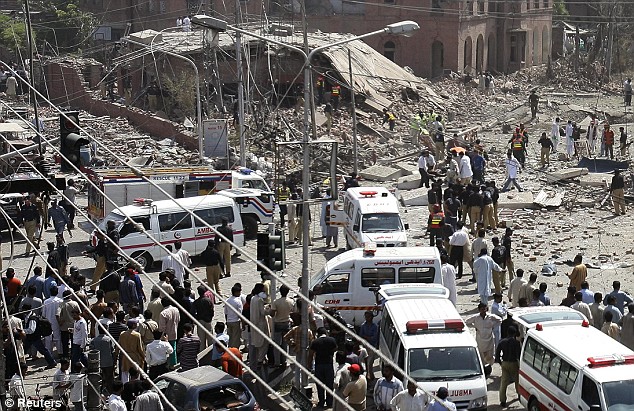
column 12, row 34
column 65, row 26
column 559, row 8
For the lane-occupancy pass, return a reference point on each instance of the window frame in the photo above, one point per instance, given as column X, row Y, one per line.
column 179, row 221
column 378, row 277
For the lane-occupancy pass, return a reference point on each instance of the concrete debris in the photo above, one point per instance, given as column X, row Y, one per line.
column 514, row 200
column 549, row 199
column 409, row 182
column 595, row 179
column 568, row 173
column 415, row 197
column 380, row 173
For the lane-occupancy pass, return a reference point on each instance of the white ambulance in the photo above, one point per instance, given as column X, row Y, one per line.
column 370, row 215
column 349, row 281
column 575, row 368
column 528, row 317
column 167, row 222
column 427, row 338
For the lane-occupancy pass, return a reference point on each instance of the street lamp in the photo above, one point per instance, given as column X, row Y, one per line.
column 401, row 28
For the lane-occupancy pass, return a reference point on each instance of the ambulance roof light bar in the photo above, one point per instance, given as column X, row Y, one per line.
column 368, row 193
column 414, row 327
column 142, row 201
column 609, row 360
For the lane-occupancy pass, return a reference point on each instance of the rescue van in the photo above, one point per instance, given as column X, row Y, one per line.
column 575, row 368
column 370, row 215
column 427, row 338
column 167, row 221
column 528, row 317
column 122, row 185
column 348, row 282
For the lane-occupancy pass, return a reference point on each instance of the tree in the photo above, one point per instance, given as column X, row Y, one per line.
column 13, row 35
column 559, row 8
column 64, row 25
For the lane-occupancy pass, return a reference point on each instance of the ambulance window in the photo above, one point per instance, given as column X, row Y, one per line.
column 175, row 221
column 590, row 392
column 214, row 216
column 375, row 277
column 553, row 370
column 567, row 377
column 529, row 352
column 357, row 221
column 131, row 227
column 416, row 275
column 336, row 283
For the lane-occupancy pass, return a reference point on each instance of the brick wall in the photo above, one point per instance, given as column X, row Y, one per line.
column 66, row 89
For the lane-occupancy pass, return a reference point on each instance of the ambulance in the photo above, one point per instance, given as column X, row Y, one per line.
column 122, row 185
column 349, row 281
column 426, row 337
column 526, row 318
column 168, row 222
column 575, row 368
column 370, row 215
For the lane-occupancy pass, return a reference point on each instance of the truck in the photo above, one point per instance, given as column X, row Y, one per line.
column 123, row 186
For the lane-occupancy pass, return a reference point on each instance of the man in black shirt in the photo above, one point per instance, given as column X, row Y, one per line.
column 507, row 355
column 214, row 266
column 506, row 242
column 547, row 148
column 322, row 349
column 110, row 285
column 224, row 246
column 452, row 207
column 618, row 197
column 30, row 217
column 203, row 310
column 475, row 204
column 351, row 181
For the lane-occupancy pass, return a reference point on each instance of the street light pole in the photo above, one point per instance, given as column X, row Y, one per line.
column 243, row 154
column 405, row 28
column 355, row 148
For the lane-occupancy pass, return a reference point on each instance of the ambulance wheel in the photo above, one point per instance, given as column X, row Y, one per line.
column 144, row 259
column 250, row 227
column 533, row 405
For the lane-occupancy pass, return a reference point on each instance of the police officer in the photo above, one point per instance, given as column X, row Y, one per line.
column 435, row 223
column 283, row 194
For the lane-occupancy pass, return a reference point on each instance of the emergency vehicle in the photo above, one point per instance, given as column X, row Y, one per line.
column 370, row 215
column 528, row 317
column 575, row 368
column 167, row 221
column 348, row 282
column 123, row 185
column 427, row 338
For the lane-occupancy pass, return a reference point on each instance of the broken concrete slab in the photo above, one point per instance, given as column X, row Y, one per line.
column 595, row 179
column 380, row 173
column 416, row 197
column 366, row 129
column 408, row 169
column 549, row 199
column 514, row 200
column 408, row 182
column 566, row 174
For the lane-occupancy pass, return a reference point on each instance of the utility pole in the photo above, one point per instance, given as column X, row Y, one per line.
column 608, row 63
column 29, row 33
column 577, row 46
column 355, row 147
column 243, row 154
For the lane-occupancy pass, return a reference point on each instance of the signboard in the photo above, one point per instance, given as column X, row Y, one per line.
column 215, row 143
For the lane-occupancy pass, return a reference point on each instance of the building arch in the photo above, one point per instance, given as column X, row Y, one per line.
column 480, row 54
column 437, row 58
column 491, row 52
column 389, row 50
column 545, row 44
column 468, row 53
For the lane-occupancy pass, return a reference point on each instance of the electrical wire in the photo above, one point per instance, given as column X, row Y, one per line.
column 305, row 298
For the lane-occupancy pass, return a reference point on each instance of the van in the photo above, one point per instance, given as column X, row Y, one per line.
column 528, row 317
column 348, row 282
column 575, row 368
column 166, row 221
column 370, row 215
column 427, row 338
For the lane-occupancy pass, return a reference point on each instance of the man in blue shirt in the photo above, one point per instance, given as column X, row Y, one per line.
column 587, row 296
column 370, row 332
column 621, row 297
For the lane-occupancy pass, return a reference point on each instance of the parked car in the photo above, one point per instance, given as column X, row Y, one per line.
column 206, row 388
column 11, row 204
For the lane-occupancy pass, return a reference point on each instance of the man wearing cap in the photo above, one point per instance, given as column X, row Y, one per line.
column 608, row 141
column 411, row 399
column 131, row 343
column 442, row 403
column 356, row 389
column 618, row 197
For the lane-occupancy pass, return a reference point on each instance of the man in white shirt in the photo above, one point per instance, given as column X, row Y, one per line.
column 582, row 307
column 234, row 323
column 513, row 167
column 515, row 286
column 60, row 379
column 411, row 399
column 484, row 323
column 115, row 402
column 500, row 309
column 49, row 309
column 448, row 277
column 426, row 162
column 466, row 172
column 570, row 144
column 183, row 256
column 554, row 133
column 458, row 241
column 80, row 339
column 170, row 261
column 156, row 355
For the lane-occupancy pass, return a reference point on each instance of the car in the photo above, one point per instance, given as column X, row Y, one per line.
column 11, row 204
column 205, row 388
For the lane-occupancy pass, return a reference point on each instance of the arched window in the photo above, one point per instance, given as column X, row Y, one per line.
column 389, row 49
